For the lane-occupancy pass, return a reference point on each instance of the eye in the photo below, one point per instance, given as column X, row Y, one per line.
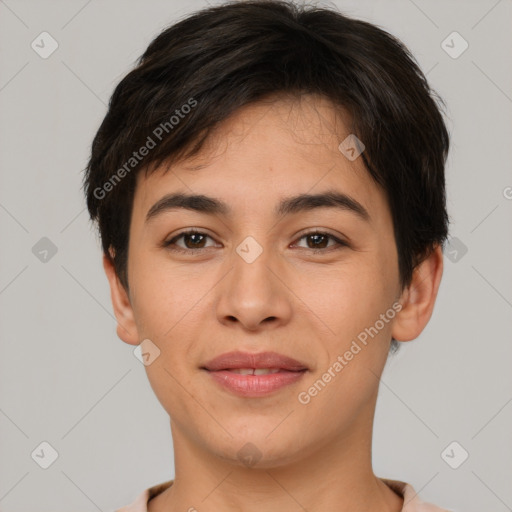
column 319, row 240
column 193, row 240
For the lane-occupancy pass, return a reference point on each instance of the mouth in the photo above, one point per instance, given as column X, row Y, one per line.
column 255, row 371
column 254, row 375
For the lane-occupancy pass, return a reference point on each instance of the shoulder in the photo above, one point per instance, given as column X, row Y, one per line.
column 412, row 501
column 140, row 504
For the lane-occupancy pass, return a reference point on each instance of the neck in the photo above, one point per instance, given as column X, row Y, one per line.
column 334, row 476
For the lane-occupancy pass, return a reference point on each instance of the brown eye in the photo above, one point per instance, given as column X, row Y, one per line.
column 196, row 240
column 318, row 241
column 192, row 240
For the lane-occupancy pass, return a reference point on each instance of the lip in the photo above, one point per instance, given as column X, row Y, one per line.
column 237, row 359
column 290, row 372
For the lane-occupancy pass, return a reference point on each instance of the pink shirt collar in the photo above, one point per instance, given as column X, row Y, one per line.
column 412, row 502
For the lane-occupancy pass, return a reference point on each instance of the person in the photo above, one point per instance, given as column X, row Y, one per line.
column 268, row 184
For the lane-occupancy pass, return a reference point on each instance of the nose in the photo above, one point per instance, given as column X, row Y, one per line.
column 254, row 294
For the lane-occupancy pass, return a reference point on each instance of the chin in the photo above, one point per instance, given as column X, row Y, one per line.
column 260, row 451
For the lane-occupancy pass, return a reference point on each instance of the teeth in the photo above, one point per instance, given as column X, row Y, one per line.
column 243, row 371
column 265, row 371
column 254, row 371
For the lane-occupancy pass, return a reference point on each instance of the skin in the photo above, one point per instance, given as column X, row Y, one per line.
column 289, row 300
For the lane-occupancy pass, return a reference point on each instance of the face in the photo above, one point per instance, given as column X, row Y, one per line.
column 265, row 273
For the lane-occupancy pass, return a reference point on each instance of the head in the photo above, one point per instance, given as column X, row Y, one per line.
column 315, row 152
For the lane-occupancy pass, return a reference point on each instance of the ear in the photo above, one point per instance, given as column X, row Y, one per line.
column 126, row 326
column 419, row 297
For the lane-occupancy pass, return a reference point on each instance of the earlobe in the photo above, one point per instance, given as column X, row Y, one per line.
column 126, row 326
column 419, row 297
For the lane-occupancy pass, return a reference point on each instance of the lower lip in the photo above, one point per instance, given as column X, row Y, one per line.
column 255, row 385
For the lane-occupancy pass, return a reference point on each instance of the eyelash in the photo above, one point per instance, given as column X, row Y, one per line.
column 169, row 243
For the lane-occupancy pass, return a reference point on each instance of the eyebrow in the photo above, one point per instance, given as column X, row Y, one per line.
column 288, row 206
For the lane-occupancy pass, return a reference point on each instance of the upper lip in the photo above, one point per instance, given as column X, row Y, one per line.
column 236, row 360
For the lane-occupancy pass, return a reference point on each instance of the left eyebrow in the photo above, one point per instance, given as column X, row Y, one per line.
column 329, row 199
column 288, row 206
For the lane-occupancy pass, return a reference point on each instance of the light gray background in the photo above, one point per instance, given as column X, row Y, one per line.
column 66, row 378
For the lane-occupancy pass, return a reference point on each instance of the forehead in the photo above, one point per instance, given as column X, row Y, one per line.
column 265, row 150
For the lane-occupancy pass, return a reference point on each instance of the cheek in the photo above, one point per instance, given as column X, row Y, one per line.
column 169, row 308
column 165, row 296
column 355, row 348
column 166, row 309
column 349, row 297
